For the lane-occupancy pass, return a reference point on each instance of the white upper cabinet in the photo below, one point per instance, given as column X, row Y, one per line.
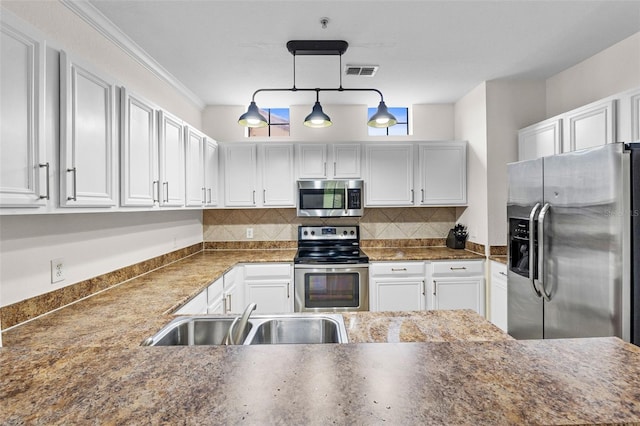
column 589, row 126
column 389, row 175
column 443, row 173
column 540, row 140
column 278, row 184
column 211, row 172
column 138, row 151
column 88, row 149
column 171, row 137
column 328, row 161
column 195, row 191
column 240, row 177
column 24, row 170
column 259, row 177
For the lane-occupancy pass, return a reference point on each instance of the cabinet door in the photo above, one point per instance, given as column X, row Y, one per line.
column 443, row 173
column 628, row 116
column 171, row 139
column 87, row 136
column 24, row 170
column 346, row 161
column 312, row 161
column 400, row 294
column 589, row 126
column 278, row 183
column 139, row 151
column 270, row 296
column 211, row 172
column 461, row 293
column 389, row 175
column 499, row 295
column 240, row 166
column 195, row 191
column 540, row 140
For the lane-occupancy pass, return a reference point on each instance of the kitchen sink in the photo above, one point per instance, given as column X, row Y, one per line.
column 260, row 330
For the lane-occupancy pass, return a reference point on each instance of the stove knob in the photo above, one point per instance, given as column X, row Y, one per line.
column 313, row 232
column 344, row 233
column 306, row 233
column 353, row 232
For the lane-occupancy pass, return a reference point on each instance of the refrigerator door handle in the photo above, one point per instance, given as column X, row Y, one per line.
column 541, row 217
column 532, row 247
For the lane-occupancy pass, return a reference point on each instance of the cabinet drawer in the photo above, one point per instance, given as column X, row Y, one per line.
column 397, row 268
column 267, row 270
column 457, row 268
column 498, row 268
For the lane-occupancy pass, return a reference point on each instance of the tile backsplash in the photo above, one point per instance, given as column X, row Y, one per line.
column 282, row 224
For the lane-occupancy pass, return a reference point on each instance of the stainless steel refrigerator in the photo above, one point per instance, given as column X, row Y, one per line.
column 573, row 242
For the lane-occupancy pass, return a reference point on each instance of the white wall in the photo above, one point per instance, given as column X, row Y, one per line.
column 471, row 125
column 90, row 244
column 611, row 71
column 511, row 105
column 429, row 122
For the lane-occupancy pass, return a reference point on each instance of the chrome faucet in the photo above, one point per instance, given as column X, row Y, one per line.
column 232, row 338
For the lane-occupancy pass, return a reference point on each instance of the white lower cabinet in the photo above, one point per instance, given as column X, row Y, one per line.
column 195, row 306
column 269, row 286
column 397, row 286
column 458, row 285
column 215, row 298
column 233, row 294
column 498, row 295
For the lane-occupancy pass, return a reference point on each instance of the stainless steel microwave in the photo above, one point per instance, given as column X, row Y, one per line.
column 330, row 198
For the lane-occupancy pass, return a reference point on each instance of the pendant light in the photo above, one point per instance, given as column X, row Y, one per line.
column 317, row 118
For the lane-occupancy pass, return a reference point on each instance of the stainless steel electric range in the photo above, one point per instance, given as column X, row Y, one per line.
column 331, row 273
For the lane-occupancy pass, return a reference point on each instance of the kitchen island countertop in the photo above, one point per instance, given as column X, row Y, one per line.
column 83, row 364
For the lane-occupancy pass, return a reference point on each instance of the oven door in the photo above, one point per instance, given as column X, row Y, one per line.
column 331, row 288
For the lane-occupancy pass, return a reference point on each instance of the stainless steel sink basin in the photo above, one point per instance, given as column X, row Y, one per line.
column 297, row 330
column 261, row 329
column 188, row 331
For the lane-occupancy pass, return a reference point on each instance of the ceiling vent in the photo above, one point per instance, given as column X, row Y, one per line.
column 361, row 70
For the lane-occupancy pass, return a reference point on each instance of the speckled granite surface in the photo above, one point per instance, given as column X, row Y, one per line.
column 418, row 253
column 591, row 381
column 423, row 326
column 83, row 365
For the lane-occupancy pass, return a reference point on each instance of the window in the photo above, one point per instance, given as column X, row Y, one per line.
column 278, row 123
column 401, row 128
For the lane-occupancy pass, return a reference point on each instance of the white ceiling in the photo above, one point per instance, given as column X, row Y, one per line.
column 428, row 51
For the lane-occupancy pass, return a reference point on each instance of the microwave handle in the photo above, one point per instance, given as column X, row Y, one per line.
column 346, row 200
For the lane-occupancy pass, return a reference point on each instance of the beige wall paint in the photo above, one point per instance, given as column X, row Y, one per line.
column 282, row 224
column 471, row 125
column 611, row 71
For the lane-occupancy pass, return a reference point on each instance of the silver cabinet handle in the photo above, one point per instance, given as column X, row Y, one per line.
column 424, row 288
column 264, row 196
column 435, row 286
column 541, row 217
column 532, row 254
column 412, row 196
column 398, row 269
column 334, row 168
column 502, row 273
column 422, row 195
column 74, row 197
column 46, row 166
column 254, row 196
column 288, row 285
column 458, row 268
column 209, row 195
column 325, row 169
column 156, row 191
column 165, row 185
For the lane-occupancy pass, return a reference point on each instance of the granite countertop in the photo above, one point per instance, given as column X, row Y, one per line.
column 83, row 364
column 419, row 253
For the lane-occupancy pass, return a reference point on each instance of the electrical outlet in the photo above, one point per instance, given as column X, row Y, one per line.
column 249, row 232
column 57, row 270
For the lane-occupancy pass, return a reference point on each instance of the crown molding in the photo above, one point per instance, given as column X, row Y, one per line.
column 104, row 26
